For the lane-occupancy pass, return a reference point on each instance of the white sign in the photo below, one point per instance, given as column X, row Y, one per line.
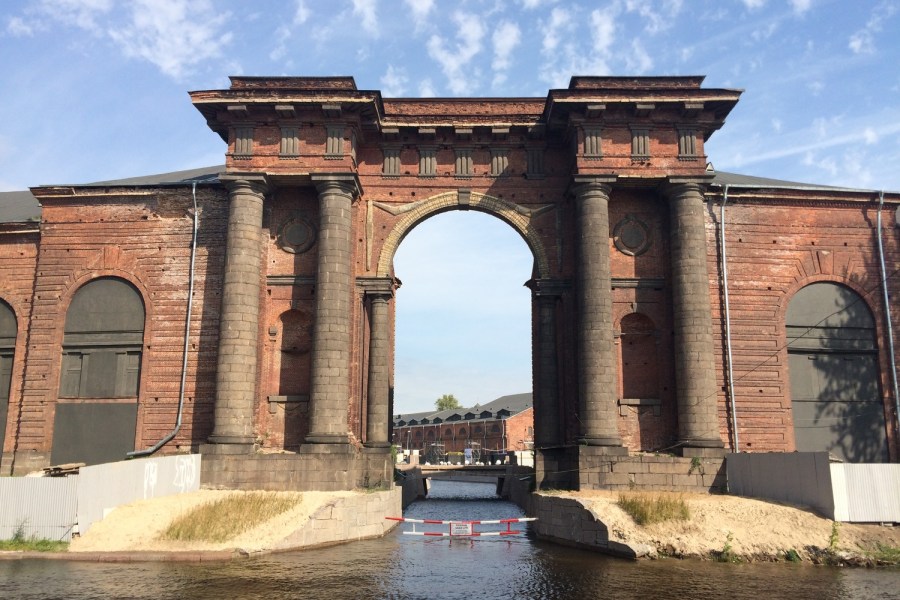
column 460, row 529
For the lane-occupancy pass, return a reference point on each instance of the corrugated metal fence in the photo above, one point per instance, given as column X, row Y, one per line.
column 855, row 493
column 55, row 507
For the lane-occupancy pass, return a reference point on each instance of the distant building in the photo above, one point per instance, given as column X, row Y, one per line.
column 503, row 425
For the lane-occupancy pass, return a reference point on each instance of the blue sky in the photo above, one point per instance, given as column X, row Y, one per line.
column 97, row 89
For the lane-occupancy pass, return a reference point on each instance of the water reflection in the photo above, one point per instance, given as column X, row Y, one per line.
column 414, row 567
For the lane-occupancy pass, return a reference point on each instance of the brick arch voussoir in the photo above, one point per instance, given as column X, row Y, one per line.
column 505, row 211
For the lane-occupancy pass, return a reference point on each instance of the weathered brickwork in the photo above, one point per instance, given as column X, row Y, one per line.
column 291, row 341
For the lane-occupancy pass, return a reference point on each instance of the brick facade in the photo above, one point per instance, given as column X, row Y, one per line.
column 291, row 340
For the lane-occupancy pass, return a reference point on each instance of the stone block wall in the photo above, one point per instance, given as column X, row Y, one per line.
column 649, row 472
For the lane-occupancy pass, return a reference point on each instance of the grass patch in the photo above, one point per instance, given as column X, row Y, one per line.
column 20, row 543
column 229, row 517
column 886, row 555
column 647, row 509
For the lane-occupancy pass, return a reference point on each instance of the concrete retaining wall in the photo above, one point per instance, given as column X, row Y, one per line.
column 346, row 519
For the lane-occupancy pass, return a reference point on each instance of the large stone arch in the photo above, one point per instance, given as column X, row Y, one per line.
column 518, row 217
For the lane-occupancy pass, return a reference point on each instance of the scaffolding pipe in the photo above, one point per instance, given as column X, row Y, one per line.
column 887, row 313
column 729, row 386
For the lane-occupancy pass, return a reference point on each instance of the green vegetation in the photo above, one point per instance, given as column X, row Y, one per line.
column 227, row 518
column 792, row 556
column 727, row 553
column 647, row 509
column 889, row 555
column 833, row 538
column 20, row 543
column 446, row 402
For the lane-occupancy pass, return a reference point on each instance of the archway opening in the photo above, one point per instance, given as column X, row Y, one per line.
column 463, row 327
column 833, row 363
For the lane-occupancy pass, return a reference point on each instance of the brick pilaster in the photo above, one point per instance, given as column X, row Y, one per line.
column 547, row 429
column 698, row 425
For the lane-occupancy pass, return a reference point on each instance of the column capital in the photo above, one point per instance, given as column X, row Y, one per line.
column 583, row 185
column 378, row 287
column 543, row 288
column 337, row 183
column 675, row 187
column 255, row 183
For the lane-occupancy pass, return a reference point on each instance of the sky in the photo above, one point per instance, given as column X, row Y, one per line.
column 97, row 89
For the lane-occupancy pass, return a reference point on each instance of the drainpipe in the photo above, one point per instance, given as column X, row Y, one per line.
column 730, row 384
column 887, row 312
column 187, row 332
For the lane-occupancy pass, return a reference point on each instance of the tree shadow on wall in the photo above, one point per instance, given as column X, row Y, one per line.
column 834, row 374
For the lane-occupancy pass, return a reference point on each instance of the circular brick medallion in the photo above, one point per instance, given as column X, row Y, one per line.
column 297, row 235
column 631, row 236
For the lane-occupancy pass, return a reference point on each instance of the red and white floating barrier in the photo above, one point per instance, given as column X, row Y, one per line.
column 463, row 528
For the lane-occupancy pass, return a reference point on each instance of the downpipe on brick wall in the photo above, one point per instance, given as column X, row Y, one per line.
column 887, row 312
column 730, row 382
column 187, row 339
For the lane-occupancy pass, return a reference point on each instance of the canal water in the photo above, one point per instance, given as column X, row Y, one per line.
column 415, row 567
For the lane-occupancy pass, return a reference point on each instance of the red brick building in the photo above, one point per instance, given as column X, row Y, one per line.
column 250, row 307
column 490, row 430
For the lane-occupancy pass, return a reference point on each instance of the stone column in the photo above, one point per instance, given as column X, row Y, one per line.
column 330, row 385
column 547, row 431
column 239, row 318
column 378, row 423
column 695, row 372
column 597, row 361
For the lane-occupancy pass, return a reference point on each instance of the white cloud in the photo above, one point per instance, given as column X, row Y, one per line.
column 426, row 89
column 776, row 125
column 282, row 35
column 365, row 10
column 754, row 4
column 420, row 9
column 506, row 38
column 870, row 136
column 638, row 61
column 17, row 27
column 302, row 14
column 455, row 60
column 533, row 4
column 393, row 82
column 78, row 13
column 560, row 21
column 603, row 27
column 175, row 36
column 863, row 41
column 801, row 6
column 655, row 20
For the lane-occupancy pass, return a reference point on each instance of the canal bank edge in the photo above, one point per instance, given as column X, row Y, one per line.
column 340, row 517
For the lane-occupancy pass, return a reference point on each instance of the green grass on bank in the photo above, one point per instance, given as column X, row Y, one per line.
column 647, row 509
column 229, row 517
column 20, row 543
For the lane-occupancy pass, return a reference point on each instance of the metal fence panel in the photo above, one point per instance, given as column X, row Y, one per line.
column 867, row 493
column 104, row 487
column 44, row 507
column 799, row 478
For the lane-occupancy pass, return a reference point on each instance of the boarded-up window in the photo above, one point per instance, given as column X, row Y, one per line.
column 640, row 377
column 102, row 342
column 99, row 374
column 8, row 330
column 833, row 364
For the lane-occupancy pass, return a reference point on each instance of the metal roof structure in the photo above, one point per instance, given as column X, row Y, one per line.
column 513, row 404
column 22, row 206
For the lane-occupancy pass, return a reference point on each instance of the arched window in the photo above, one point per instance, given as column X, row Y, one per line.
column 833, row 365
column 640, row 368
column 96, row 416
column 102, row 342
column 8, row 329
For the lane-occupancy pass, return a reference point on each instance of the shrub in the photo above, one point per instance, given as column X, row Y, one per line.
column 647, row 509
column 227, row 518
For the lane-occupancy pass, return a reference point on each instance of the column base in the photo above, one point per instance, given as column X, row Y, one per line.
column 604, row 445
column 226, row 448
column 327, row 444
column 713, row 448
column 377, row 445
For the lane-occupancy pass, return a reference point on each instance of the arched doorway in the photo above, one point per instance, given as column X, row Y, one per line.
column 8, row 329
column 833, row 363
column 99, row 381
column 463, row 316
